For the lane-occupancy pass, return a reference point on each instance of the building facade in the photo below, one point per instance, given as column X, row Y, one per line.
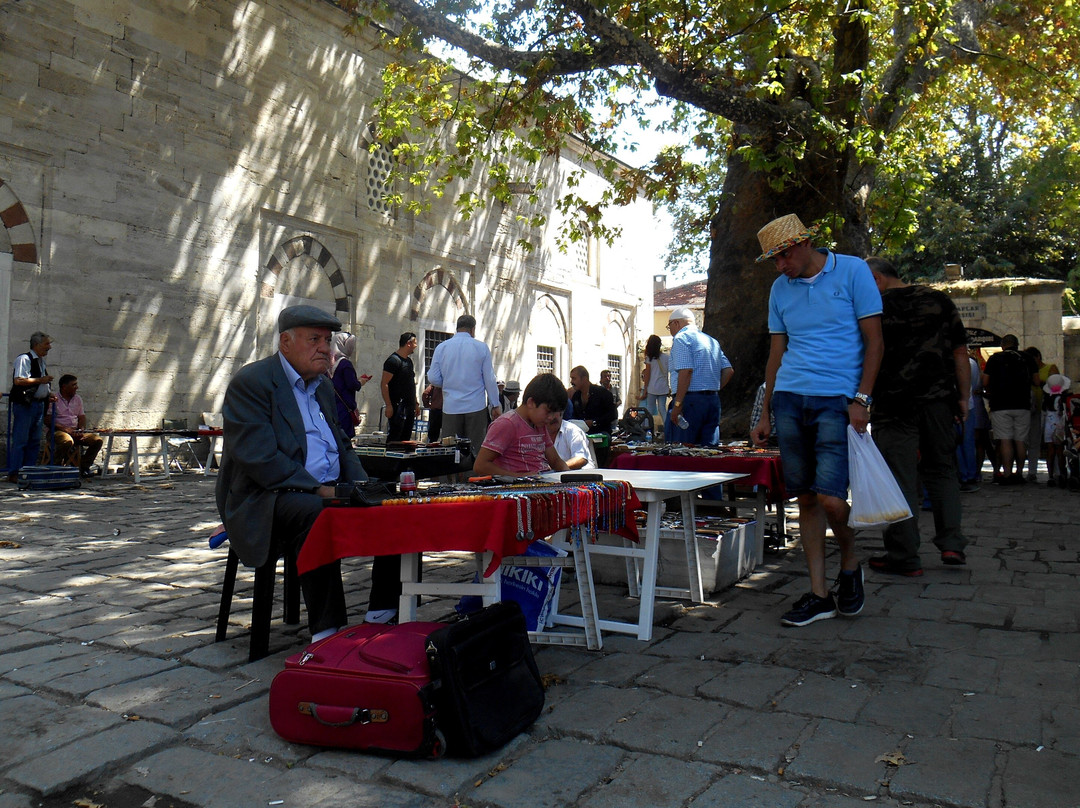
column 173, row 173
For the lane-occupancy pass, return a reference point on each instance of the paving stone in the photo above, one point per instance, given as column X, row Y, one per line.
column 1044, row 619
column 749, row 684
column 820, row 656
column 42, row 725
column 747, row 791
column 844, row 755
column 449, row 776
column 244, row 731
column 957, row 670
column 909, row 708
column 616, row 669
column 1034, row 779
column 1061, row 729
column 983, row 715
column 651, row 780
column 814, row 694
column 947, row 770
column 669, row 725
column 56, row 770
column 176, row 697
column 595, row 711
column 1055, row 680
column 879, row 665
column 756, row 740
column 679, row 677
column 528, row 780
column 79, row 675
column 1003, row 644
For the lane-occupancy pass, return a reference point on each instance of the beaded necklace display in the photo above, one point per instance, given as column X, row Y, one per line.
column 542, row 509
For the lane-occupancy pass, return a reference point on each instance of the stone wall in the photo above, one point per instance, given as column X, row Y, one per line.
column 184, row 169
column 1030, row 308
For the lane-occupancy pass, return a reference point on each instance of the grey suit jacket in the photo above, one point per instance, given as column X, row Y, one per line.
column 264, row 451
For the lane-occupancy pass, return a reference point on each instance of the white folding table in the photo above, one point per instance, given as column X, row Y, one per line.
column 652, row 488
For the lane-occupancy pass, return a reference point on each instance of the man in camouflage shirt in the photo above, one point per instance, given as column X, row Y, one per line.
column 920, row 397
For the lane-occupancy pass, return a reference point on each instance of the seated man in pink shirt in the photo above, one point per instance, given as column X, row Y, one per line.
column 71, row 425
column 517, row 443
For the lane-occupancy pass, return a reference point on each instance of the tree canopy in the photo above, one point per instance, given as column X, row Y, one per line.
column 838, row 111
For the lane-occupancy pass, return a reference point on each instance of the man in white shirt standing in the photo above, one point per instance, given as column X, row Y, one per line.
column 462, row 367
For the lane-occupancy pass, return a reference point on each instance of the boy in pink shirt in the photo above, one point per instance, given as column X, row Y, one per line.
column 517, row 443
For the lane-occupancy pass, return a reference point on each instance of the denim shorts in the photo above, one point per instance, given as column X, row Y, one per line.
column 812, row 432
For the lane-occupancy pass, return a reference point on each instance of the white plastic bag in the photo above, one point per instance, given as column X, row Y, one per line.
column 876, row 499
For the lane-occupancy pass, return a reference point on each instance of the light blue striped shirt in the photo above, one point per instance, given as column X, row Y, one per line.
column 697, row 351
column 321, row 459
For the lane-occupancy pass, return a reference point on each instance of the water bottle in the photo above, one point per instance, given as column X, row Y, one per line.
column 407, row 482
column 648, row 436
column 682, row 422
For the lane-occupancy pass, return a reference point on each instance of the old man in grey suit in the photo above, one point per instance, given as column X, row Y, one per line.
column 284, row 452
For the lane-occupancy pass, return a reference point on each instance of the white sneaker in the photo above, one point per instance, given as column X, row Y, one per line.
column 381, row 616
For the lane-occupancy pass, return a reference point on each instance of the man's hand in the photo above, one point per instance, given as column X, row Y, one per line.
column 858, row 416
column 365, row 378
column 389, row 412
column 760, row 433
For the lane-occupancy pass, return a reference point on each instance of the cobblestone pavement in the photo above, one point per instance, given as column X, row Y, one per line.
column 959, row 688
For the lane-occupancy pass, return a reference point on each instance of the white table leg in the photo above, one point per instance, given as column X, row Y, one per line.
column 165, row 455
column 693, row 562
column 648, row 573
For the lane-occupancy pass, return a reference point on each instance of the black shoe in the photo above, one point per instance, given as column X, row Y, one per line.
column 809, row 609
column 954, row 558
column 883, row 564
column 850, row 596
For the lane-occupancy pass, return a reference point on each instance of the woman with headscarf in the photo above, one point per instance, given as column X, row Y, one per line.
column 346, row 384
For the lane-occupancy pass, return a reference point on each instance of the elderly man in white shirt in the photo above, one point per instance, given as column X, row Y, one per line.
column 571, row 442
column 461, row 366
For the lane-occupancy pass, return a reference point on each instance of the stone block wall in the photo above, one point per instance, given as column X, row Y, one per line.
column 165, row 154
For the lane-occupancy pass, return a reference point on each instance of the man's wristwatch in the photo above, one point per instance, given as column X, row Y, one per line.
column 865, row 400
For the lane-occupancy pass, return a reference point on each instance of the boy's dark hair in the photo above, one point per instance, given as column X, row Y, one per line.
column 882, row 266
column 546, row 389
column 67, row 377
column 404, row 339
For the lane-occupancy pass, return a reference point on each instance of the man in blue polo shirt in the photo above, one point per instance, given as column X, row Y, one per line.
column 824, row 353
column 698, row 370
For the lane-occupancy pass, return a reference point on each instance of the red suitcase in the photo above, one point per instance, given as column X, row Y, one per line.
column 367, row 687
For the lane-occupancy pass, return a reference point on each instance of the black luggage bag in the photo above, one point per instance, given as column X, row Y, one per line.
column 487, row 685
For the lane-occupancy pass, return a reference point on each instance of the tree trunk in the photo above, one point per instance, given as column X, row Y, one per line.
column 737, row 298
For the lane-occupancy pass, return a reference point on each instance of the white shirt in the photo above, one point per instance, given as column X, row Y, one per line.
column 572, row 442
column 461, row 366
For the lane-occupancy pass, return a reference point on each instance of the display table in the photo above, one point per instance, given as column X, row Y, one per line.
column 132, row 460
column 760, row 468
column 652, row 488
column 388, row 467
column 487, row 526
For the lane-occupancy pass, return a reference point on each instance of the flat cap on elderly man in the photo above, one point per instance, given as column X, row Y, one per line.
column 310, row 316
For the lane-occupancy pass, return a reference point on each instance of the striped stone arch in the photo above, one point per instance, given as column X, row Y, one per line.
column 308, row 245
column 438, row 277
column 546, row 301
column 17, row 223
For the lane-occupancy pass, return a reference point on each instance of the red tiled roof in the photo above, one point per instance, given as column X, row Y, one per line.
column 689, row 294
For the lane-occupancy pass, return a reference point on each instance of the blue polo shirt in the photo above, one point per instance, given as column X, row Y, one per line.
column 820, row 317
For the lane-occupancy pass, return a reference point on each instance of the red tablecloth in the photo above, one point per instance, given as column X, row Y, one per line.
column 470, row 526
column 760, row 469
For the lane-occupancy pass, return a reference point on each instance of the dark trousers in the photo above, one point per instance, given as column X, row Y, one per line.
column 922, row 445
column 401, row 425
column 25, row 443
column 324, row 594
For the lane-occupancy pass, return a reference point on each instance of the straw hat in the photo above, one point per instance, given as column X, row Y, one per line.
column 779, row 234
column 1057, row 383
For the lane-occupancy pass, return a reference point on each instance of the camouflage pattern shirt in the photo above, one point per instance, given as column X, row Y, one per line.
column 921, row 328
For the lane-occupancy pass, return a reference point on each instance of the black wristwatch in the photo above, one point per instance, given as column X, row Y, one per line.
column 865, row 400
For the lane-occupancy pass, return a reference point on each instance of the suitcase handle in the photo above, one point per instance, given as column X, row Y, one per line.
column 345, row 716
